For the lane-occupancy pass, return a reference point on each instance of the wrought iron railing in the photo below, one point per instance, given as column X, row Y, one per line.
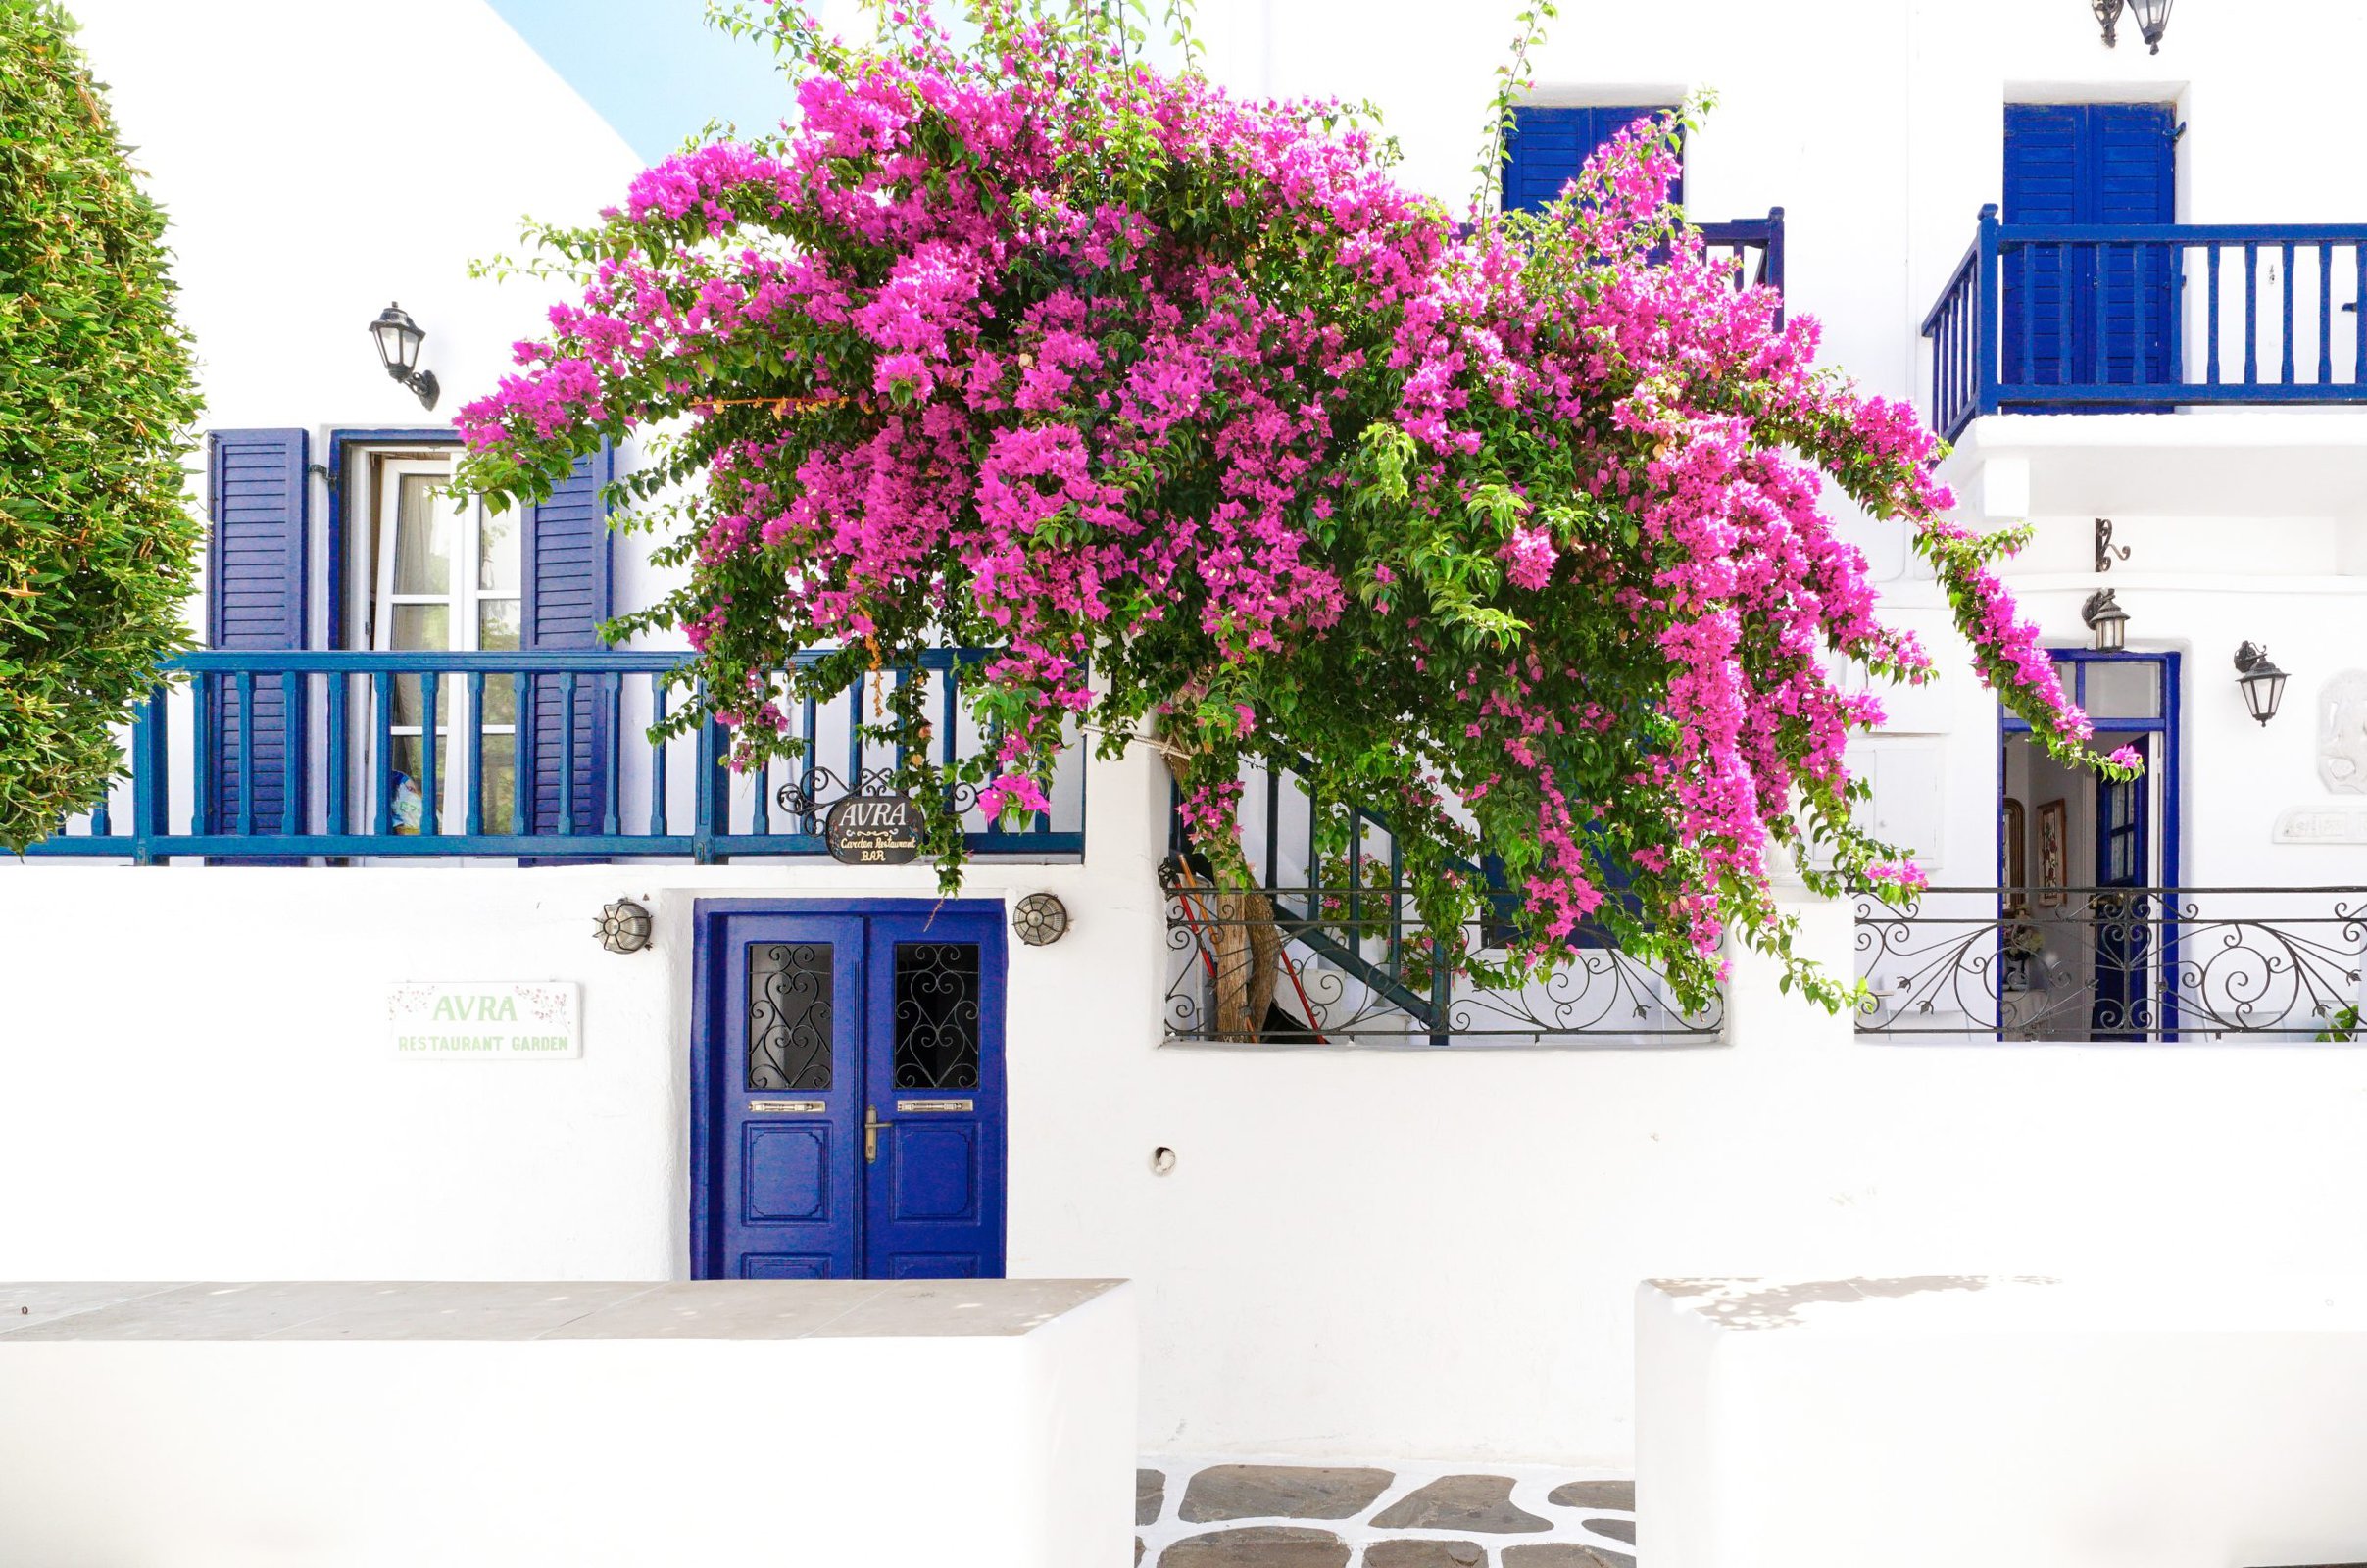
column 1330, row 950
column 2159, row 965
column 281, row 757
column 2076, row 317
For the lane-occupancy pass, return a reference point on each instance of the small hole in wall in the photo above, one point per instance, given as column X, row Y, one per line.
column 1163, row 1160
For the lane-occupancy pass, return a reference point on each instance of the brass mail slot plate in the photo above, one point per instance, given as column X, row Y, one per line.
column 803, row 1107
column 909, row 1106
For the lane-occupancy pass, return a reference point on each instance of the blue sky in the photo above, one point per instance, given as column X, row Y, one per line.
column 652, row 68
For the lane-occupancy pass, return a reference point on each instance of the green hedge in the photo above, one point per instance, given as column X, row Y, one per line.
column 98, row 543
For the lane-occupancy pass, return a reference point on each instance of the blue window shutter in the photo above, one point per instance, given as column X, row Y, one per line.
column 2134, row 180
column 256, row 571
column 2089, row 164
column 1548, row 146
column 568, row 595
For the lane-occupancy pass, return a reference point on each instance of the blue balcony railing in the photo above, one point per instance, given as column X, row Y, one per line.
column 289, row 756
column 2092, row 318
column 1754, row 247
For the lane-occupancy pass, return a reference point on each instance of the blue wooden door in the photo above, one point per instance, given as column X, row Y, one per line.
column 2089, row 313
column 848, row 1093
column 934, row 1092
column 2125, row 1006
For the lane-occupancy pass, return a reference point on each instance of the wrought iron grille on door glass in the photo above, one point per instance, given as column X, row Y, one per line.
column 936, row 1015
column 789, row 1014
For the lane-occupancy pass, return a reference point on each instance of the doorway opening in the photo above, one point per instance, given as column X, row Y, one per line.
column 2088, row 867
column 848, row 1099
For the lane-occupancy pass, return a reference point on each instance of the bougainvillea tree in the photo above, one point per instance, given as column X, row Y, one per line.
column 1512, row 527
column 98, row 547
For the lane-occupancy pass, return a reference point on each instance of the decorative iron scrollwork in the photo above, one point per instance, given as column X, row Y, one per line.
column 1355, row 970
column 2157, row 965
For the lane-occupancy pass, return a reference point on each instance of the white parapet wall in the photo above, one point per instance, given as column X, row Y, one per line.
column 981, row 1422
column 2206, row 1420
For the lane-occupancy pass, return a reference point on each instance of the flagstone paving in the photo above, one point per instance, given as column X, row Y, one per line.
column 1208, row 1513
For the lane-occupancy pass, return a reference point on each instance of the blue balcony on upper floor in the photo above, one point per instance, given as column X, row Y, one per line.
column 284, row 757
column 2105, row 317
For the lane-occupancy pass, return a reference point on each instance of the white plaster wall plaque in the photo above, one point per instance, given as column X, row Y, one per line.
column 2321, row 824
column 509, row 1020
column 2343, row 734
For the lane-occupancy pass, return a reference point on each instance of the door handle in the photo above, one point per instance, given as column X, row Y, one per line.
column 870, row 1134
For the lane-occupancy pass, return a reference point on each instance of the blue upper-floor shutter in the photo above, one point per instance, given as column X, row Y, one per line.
column 256, row 569
column 2082, row 314
column 1546, row 146
column 568, row 594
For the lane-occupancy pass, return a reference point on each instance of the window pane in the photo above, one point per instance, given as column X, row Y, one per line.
column 497, row 625
column 936, row 1015
column 409, row 700
column 497, row 550
column 2124, row 689
column 789, row 1016
column 501, row 698
column 424, row 529
column 422, row 626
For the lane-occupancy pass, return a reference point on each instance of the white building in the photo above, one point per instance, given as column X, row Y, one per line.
column 1376, row 1246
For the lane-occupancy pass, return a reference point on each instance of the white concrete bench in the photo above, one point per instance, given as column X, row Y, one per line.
column 1947, row 1421
column 958, row 1421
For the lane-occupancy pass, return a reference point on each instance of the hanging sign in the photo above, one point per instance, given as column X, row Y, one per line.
column 873, row 830
column 451, row 1020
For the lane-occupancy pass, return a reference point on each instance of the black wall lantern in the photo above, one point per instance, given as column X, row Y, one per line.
column 2262, row 681
column 2107, row 623
column 399, row 339
column 2153, row 20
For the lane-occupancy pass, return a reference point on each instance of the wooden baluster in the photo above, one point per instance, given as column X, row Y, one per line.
column 657, row 759
column 291, row 752
column 339, row 741
column 612, row 685
column 246, row 753
column 2212, row 373
column 2252, row 314
column 566, row 751
column 813, row 741
column 2287, row 377
column 2325, row 312
column 431, row 799
column 522, row 751
column 383, row 821
column 202, row 743
column 473, row 818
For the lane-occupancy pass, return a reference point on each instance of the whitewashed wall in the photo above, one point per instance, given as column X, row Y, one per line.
column 1359, row 1253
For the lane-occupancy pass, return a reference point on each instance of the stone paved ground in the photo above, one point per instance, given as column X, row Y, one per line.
column 1214, row 1513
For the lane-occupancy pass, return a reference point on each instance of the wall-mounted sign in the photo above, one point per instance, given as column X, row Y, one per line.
column 873, row 830
column 2321, row 824
column 455, row 1020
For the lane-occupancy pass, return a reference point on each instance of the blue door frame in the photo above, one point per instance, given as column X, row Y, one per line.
column 2163, row 751
column 862, row 1131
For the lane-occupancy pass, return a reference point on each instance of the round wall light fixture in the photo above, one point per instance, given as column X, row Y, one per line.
column 623, row 926
column 1040, row 919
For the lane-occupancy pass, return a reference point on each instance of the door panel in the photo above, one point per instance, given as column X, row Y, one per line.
column 789, row 1093
column 2125, row 1006
column 852, row 1071
column 935, row 1207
